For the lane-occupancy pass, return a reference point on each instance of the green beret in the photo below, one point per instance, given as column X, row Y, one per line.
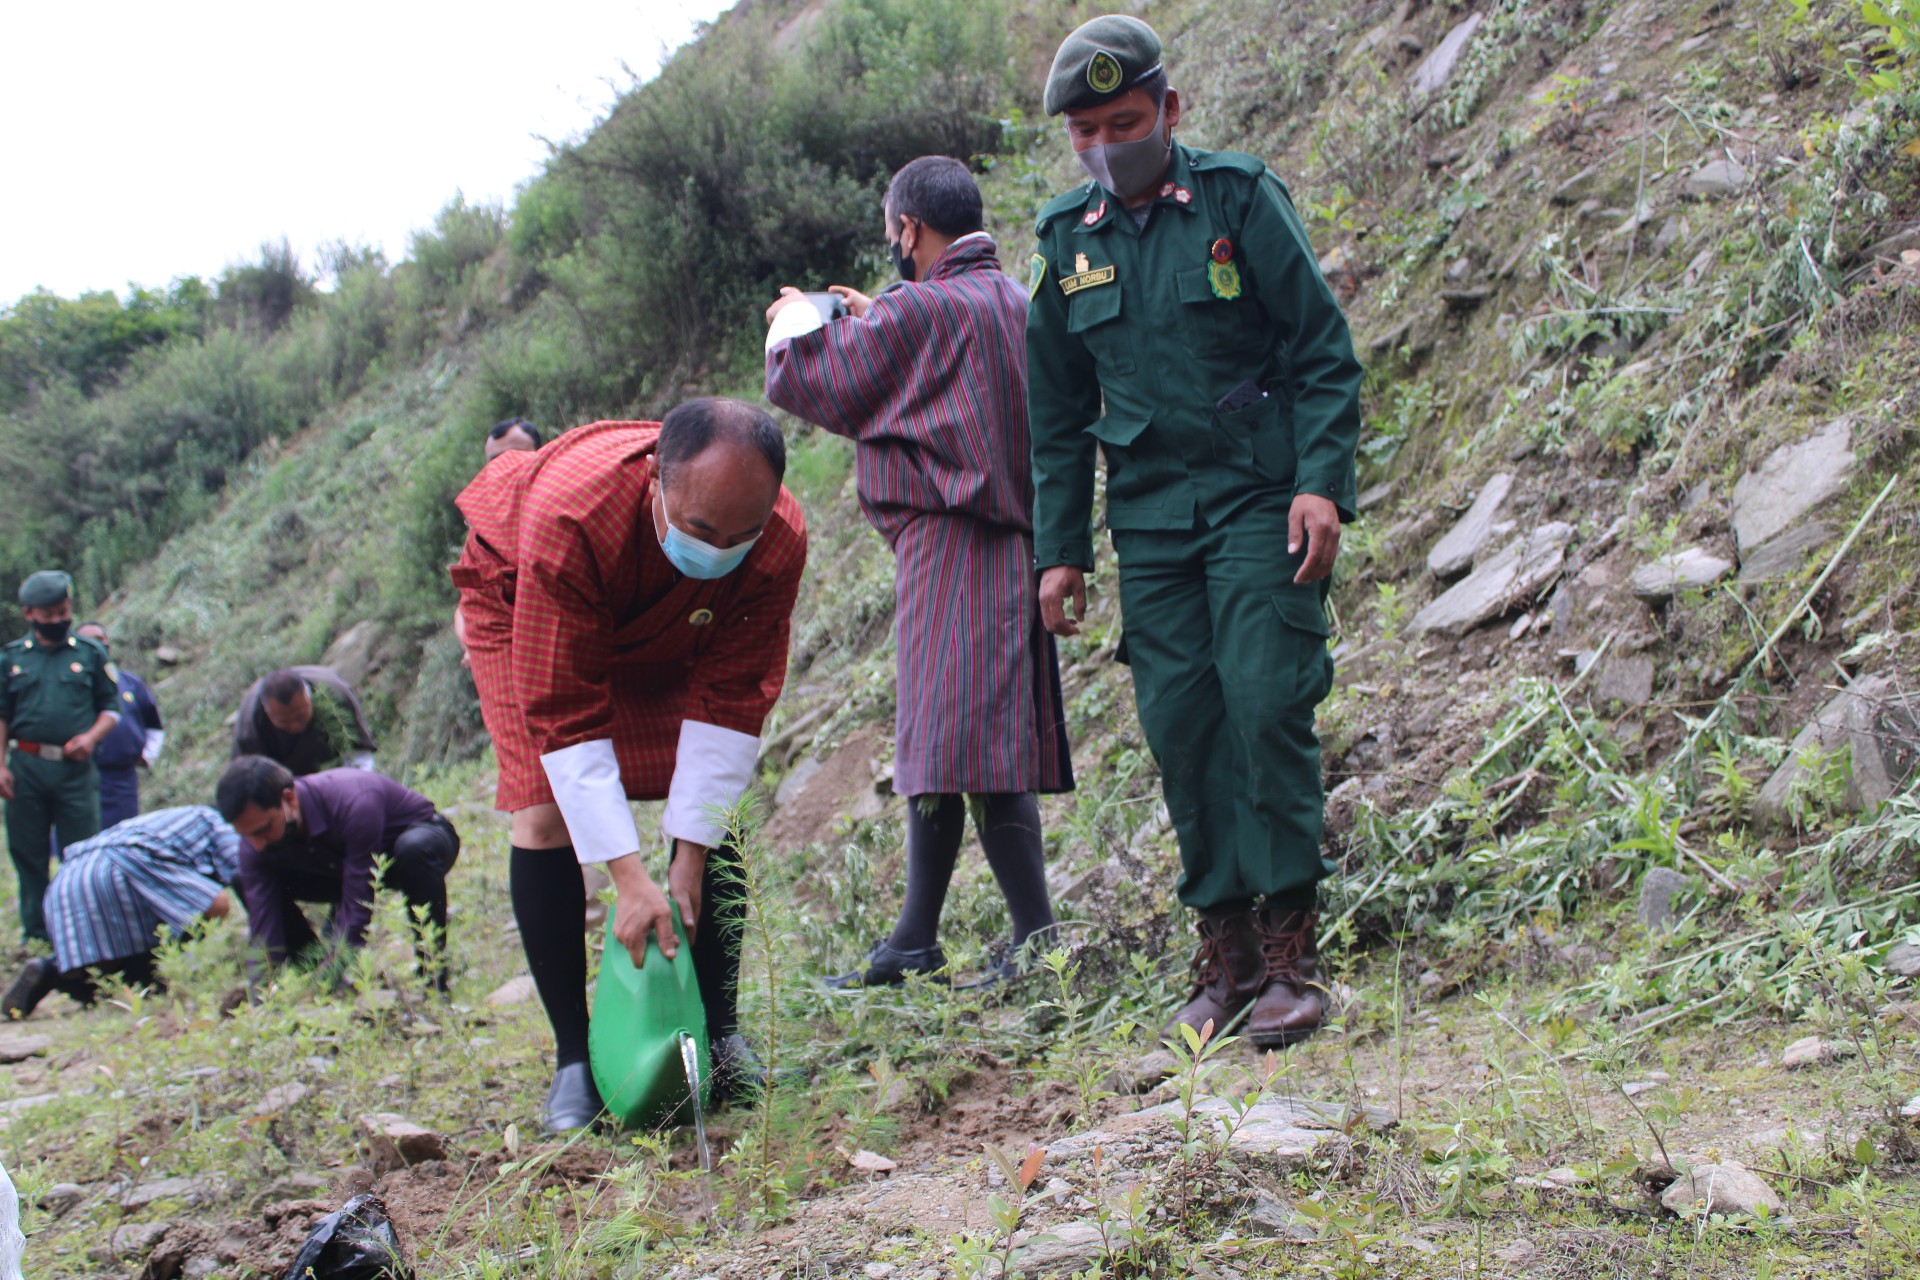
column 45, row 589
column 1101, row 60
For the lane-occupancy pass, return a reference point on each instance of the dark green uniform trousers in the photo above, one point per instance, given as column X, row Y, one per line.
column 48, row 795
column 1229, row 659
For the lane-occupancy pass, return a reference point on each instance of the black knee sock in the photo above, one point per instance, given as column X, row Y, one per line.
column 716, row 943
column 549, row 904
column 1304, row 898
column 1010, row 833
column 933, row 845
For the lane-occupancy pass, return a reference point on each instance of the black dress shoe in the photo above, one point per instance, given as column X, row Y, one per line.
column 573, row 1102
column 887, row 967
column 36, row 982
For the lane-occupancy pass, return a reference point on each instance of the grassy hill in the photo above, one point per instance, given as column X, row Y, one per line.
column 1606, row 260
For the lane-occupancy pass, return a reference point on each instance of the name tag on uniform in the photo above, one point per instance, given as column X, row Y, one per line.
column 1086, row 280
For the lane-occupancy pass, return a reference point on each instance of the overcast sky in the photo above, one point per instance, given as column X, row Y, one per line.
column 140, row 142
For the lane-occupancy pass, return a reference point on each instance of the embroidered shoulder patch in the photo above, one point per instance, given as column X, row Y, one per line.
column 1036, row 275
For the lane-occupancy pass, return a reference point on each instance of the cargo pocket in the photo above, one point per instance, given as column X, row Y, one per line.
column 1305, row 623
column 1094, row 313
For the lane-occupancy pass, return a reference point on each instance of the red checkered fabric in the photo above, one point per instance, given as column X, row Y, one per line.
column 579, row 629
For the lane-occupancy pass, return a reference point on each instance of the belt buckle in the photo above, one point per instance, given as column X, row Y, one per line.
column 48, row 751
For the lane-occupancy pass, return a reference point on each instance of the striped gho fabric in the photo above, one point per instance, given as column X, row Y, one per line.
column 931, row 386
column 116, row 890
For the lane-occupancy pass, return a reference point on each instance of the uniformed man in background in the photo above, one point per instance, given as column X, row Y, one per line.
column 1180, row 324
column 56, row 702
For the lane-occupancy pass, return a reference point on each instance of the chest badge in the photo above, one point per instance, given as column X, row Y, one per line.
column 1223, row 274
column 700, row 617
column 1080, row 263
column 74, row 667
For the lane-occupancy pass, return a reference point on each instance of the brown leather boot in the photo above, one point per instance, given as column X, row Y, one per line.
column 1293, row 997
column 1228, row 970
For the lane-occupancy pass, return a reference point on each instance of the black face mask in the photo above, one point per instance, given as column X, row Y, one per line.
column 53, row 633
column 902, row 261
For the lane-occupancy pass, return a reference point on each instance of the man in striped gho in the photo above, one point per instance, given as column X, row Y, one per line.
column 929, row 379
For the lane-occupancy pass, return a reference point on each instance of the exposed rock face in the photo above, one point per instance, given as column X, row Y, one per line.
column 1060, row 1250
column 1792, row 481
column 1782, row 557
column 513, row 991
column 1720, row 1188
column 1669, row 575
column 1454, row 554
column 1812, row 1051
column 1282, row 1129
column 1437, row 68
column 1877, row 722
column 1904, row 960
column 355, row 652
column 1627, row 679
column 1717, row 179
column 1508, row 580
column 1657, row 893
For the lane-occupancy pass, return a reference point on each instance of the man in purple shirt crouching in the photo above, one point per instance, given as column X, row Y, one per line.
column 314, row 839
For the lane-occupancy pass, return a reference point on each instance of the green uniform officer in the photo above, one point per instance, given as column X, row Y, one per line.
column 57, row 701
column 1180, row 326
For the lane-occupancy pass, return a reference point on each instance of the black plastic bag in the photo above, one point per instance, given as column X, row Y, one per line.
column 356, row 1242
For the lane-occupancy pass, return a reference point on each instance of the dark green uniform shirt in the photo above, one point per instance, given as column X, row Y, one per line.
column 50, row 694
column 1135, row 333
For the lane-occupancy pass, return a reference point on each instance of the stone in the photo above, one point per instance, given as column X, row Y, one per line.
column 1792, row 481
column 1373, row 497
column 181, row 1190
column 201, row 1264
column 61, row 1197
column 1461, row 301
column 1625, row 678
column 1716, row 179
column 1911, row 1111
column 1454, row 554
column 167, row 656
column 1273, row 1218
column 1658, row 890
column 1693, row 44
column 282, row 1097
column 1782, row 556
column 871, row 1162
column 1286, row 1130
column 1060, row 1250
column 1459, row 271
column 18, row 1048
column 1876, row 722
column 1437, row 68
column 1667, row 576
column 1812, row 1051
column 1720, row 1188
column 355, row 652
column 130, row 1241
column 1509, row 580
column 1903, row 960
column 796, row 781
column 1141, row 1074
column 396, row 1142
column 513, row 991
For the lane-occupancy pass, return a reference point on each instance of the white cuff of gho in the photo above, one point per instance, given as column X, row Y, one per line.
column 711, row 771
column 156, row 739
column 797, row 317
column 592, row 800
column 362, row 760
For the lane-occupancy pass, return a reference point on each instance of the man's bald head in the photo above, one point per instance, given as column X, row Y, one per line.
column 691, row 429
column 720, row 465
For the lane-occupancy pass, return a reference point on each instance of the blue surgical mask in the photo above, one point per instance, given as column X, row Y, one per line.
column 697, row 559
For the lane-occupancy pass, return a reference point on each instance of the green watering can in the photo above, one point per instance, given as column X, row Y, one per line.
column 648, row 1028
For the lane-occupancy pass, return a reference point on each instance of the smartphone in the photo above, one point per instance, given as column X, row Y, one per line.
column 1247, row 393
column 831, row 306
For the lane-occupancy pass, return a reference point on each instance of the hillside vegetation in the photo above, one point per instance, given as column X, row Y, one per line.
column 1602, row 261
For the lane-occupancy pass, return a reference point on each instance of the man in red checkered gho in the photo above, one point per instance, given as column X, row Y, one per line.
column 625, row 599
